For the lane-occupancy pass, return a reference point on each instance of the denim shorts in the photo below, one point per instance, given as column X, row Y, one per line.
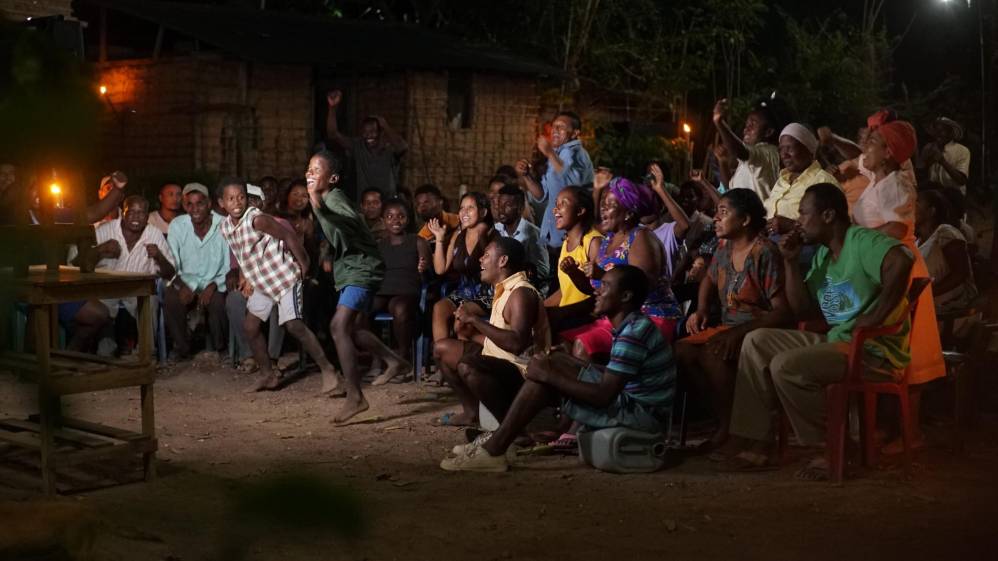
column 356, row 298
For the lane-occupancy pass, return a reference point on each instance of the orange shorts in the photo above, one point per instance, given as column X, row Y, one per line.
column 705, row 335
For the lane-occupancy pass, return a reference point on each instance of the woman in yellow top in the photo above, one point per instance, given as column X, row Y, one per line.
column 568, row 307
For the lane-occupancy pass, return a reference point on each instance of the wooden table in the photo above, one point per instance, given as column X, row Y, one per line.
column 64, row 441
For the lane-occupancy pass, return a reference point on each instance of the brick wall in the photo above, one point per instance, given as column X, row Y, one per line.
column 21, row 9
column 503, row 129
column 219, row 116
column 227, row 117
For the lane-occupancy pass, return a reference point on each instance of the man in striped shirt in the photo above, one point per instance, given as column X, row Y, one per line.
column 634, row 390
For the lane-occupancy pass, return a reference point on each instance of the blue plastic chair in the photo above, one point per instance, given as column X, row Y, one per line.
column 420, row 352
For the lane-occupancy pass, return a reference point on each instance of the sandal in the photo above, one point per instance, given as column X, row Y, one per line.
column 747, row 462
column 815, row 470
column 248, row 366
column 565, row 444
column 447, row 420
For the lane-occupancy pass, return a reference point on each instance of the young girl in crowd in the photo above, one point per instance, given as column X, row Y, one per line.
column 406, row 257
column 568, row 306
column 746, row 275
column 461, row 257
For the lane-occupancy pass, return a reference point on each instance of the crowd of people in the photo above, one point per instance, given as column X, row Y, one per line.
column 560, row 284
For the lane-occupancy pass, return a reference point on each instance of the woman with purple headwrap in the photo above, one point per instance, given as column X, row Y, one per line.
column 621, row 208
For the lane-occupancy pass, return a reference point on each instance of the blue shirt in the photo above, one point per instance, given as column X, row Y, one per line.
column 530, row 236
column 577, row 170
column 199, row 262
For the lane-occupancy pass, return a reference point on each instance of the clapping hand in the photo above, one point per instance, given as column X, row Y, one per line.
column 438, row 229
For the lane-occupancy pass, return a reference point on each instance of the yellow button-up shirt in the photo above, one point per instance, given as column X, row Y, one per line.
column 786, row 195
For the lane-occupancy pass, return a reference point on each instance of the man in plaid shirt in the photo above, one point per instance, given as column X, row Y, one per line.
column 272, row 262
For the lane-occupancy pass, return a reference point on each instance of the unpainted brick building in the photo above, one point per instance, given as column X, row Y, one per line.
column 191, row 89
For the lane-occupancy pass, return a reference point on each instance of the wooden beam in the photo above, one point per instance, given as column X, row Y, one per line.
column 103, row 35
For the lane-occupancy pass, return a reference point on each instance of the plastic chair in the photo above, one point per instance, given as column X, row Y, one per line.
column 421, row 343
column 837, row 397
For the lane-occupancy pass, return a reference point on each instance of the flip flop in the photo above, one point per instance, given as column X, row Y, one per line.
column 813, row 471
column 565, row 444
column 445, row 421
column 747, row 462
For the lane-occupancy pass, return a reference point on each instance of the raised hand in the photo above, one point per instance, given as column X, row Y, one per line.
column 658, row 181
column 602, row 178
column 119, row 179
column 720, row 110
column 824, row 135
column 522, row 167
column 544, row 145
column 334, row 97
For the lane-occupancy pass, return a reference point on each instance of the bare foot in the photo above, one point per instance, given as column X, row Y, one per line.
column 391, row 372
column 351, row 408
column 266, row 383
column 332, row 384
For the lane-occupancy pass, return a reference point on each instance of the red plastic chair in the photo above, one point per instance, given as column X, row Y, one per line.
column 837, row 398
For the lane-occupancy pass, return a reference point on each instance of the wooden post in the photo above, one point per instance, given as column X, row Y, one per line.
column 159, row 42
column 145, row 319
column 48, row 405
column 103, row 35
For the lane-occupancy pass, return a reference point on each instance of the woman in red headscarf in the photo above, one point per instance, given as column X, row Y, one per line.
column 888, row 205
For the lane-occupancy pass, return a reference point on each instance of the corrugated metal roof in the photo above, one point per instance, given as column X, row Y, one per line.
column 281, row 37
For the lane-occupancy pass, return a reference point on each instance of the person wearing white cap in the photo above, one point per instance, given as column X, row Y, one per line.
column 255, row 196
column 946, row 160
column 798, row 146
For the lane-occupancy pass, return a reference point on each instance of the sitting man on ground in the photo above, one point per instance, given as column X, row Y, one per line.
column 202, row 261
column 511, row 223
column 127, row 245
column 858, row 278
column 490, row 368
column 634, row 390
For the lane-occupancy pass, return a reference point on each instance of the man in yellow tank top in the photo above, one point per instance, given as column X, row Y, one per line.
column 490, row 368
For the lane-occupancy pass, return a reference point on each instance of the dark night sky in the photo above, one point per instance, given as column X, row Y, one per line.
column 942, row 40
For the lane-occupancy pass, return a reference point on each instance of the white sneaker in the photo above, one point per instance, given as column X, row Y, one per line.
column 476, row 459
column 482, row 438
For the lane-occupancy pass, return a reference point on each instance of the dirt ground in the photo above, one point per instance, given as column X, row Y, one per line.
column 216, row 442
